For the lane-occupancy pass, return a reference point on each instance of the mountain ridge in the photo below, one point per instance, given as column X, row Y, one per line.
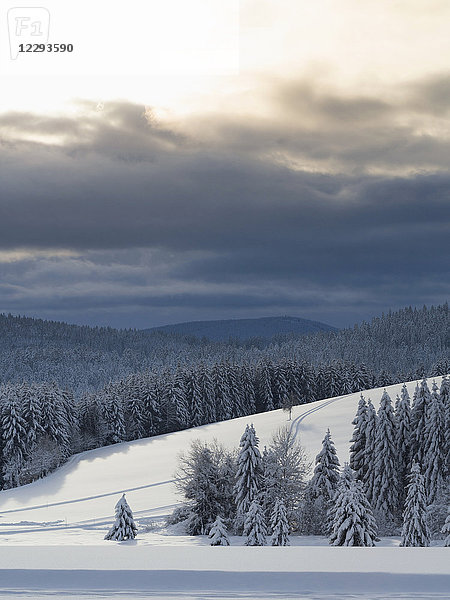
column 244, row 329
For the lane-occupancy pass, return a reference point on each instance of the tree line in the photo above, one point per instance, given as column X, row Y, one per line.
column 397, row 482
column 402, row 345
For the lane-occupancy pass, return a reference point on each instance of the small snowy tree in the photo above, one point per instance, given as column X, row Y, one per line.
column 353, row 523
column 279, row 525
column 415, row 529
column 254, row 526
column 446, row 530
column 124, row 528
column 218, row 533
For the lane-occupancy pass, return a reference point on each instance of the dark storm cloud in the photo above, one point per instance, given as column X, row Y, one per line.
column 209, row 221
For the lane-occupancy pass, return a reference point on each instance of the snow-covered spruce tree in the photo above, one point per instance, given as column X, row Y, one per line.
column 446, row 530
column 221, row 392
column 124, row 527
column 113, row 417
column 207, row 391
column 444, row 392
column 32, row 414
column 434, row 445
column 345, row 481
column 279, row 525
column 415, row 530
column 195, row 400
column 135, row 418
column 421, row 400
column 254, row 526
column 403, row 441
column 269, row 481
column 218, row 533
column 353, row 523
column 322, row 488
column 14, row 440
column 371, row 431
column 385, row 489
column 248, row 475
column 437, row 511
column 264, row 394
column 326, row 473
column 358, row 441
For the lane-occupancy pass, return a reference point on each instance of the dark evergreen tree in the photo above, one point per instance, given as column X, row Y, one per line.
column 434, row 445
column 415, row 530
column 421, row 399
column 353, row 523
column 403, row 437
column 386, row 485
column 279, row 525
column 358, row 441
column 371, row 431
column 249, row 473
column 254, row 526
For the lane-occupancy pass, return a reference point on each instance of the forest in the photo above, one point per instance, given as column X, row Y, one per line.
column 66, row 389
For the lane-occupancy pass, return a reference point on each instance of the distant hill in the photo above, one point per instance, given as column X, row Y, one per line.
column 245, row 329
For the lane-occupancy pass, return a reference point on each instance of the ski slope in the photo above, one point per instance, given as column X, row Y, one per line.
column 84, row 491
column 51, row 531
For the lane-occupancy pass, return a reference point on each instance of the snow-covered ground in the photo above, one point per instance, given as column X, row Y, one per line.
column 51, row 531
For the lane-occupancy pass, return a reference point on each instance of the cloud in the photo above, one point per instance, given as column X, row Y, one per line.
column 109, row 216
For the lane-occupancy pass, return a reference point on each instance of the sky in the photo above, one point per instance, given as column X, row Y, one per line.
column 197, row 159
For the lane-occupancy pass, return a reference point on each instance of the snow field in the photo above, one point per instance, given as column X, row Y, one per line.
column 51, row 531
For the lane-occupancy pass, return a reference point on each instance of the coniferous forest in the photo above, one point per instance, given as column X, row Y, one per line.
column 66, row 389
column 397, row 481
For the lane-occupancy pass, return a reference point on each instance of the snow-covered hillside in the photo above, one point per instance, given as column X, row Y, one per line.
column 51, row 531
column 84, row 491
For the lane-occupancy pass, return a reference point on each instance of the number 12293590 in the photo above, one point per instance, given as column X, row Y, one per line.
column 45, row 47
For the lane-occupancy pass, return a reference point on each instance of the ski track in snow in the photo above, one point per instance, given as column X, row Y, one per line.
column 87, row 498
column 41, row 527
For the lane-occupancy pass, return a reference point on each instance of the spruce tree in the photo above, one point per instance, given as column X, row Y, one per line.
column 207, row 391
column 444, row 393
column 265, row 400
column 385, row 489
column 371, row 431
column 279, row 525
column 195, row 400
column 403, row 441
column 434, row 445
column 254, row 526
column 325, row 480
column 421, row 400
column 249, row 473
column 446, row 530
column 218, row 533
column 322, row 487
column 124, row 527
column 14, row 440
column 415, row 530
column 358, row 441
column 353, row 523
